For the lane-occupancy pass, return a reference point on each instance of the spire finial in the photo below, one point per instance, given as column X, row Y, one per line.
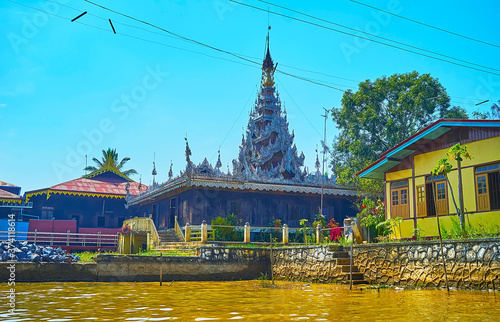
column 170, row 172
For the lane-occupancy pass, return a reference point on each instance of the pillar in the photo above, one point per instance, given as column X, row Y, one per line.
column 285, row 234
column 246, row 229
column 204, row 231
column 187, row 232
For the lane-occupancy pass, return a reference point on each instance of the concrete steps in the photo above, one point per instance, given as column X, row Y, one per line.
column 168, row 236
column 343, row 261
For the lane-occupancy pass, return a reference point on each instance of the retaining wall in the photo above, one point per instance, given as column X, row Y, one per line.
column 470, row 264
column 213, row 264
column 306, row 264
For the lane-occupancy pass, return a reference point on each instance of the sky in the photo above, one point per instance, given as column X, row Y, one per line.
column 70, row 89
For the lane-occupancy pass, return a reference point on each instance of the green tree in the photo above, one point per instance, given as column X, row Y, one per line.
column 494, row 114
column 380, row 115
column 110, row 159
column 456, row 112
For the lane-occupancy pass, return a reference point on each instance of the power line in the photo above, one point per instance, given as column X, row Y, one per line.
column 234, row 123
column 169, row 36
column 304, row 114
column 208, row 46
column 254, row 63
column 427, row 25
column 372, row 40
column 379, row 37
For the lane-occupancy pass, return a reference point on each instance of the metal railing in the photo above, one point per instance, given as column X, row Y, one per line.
column 63, row 239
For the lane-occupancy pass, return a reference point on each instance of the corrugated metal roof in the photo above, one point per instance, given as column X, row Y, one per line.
column 8, row 195
column 100, row 184
column 390, row 158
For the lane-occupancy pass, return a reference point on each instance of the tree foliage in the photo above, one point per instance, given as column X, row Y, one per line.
column 493, row 114
column 380, row 115
column 110, row 158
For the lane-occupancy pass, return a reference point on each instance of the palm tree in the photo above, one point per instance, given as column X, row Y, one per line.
column 110, row 159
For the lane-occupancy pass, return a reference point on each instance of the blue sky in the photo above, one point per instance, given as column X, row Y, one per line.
column 69, row 89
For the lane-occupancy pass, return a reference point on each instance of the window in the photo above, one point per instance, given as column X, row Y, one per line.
column 101, row 220
column 437, row 196
column 487, row 182
column 399, row 200
column 421, row 202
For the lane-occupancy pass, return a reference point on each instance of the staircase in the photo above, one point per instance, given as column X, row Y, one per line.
column 342, row 257
column 172, row 245
column 168, row 236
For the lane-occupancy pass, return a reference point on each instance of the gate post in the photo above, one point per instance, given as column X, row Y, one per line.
column 246, row 235
column 204, row 231
column 285, row 234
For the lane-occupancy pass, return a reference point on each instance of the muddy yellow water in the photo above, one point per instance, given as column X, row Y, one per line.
column 246, row 300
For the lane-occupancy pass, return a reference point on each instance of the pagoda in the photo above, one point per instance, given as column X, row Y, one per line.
column 267, row 149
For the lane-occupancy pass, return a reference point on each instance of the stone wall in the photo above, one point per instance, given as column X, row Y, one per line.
column 470, row 264
column 306, row 264
column 213, row 264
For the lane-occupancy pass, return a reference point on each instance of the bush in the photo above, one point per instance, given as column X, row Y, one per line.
column 227, row 233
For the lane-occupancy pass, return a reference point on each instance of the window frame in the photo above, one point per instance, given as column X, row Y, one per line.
column 483, row 171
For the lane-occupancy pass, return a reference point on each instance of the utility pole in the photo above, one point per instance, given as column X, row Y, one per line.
column 324, row 153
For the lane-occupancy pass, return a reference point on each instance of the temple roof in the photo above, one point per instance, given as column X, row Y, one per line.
column 104, row 184
column 8, row 195
column 6, row 184
column 221, row 184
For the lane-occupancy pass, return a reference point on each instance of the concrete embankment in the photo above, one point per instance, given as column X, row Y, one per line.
column 213, row 264
column 470, row 264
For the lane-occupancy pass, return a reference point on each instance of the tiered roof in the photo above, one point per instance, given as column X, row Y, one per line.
column 267, row 149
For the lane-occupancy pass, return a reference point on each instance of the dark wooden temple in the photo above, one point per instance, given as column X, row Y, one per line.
column 267, row 181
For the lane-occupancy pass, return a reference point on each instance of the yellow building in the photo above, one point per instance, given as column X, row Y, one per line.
column 410, row 189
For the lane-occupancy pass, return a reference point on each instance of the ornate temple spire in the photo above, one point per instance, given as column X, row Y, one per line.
column 267, row 149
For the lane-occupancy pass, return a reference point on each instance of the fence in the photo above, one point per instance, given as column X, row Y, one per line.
column 308, row 235
column 68, row 240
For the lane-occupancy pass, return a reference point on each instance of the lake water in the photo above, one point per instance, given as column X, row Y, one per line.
column 244, row 300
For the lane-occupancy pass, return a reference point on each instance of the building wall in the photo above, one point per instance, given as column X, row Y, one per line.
column 259, row 209
column 483, row 152
column 86, row 209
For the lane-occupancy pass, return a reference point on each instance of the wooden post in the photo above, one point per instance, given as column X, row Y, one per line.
column 350, row 262
column 272, row 260
column 161, row 268
column 187, row 232
column 204, row 231
column 34, row 241
column 318, row 234
column 246, row 235
column 131, row 242
column 148, row 241
column 439, row 233
column 285, row 234
column 67, row 238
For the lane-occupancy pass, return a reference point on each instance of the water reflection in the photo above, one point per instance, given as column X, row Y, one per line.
column 246, row 300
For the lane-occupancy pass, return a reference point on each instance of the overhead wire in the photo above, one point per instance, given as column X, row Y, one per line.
column 234, row 123
column 369, row 39
column 425, row 24
column 298, row 107
column 376, row 36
